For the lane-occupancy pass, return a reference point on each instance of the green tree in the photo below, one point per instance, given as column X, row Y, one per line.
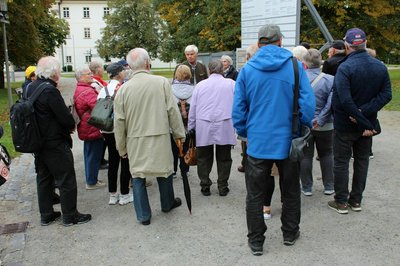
column 212, row 25
column 131, row 24
column 33, row 32
column 378, row 18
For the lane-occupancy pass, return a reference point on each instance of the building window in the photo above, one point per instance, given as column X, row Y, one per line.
column 106, row 11
column 86, row 32
column 66, row 12
column 86, row 13
column 69, row 59
column 88, row 58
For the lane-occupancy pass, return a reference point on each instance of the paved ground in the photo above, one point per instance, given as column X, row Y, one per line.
column 215, row 234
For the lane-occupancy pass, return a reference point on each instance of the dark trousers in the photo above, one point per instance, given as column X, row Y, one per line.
column 343, row 144
column 175, row 151
column 258, row 171
column 113, row 165
column 56, row 165
column 323, row 140
column 244, row 152
column 205, row 160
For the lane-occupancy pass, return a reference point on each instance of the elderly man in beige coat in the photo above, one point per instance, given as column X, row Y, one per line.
column 145, row 111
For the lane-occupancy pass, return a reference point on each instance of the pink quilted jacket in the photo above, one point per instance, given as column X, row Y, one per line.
column 85, row 98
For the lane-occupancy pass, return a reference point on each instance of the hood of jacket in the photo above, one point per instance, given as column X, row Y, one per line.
column 270, row 58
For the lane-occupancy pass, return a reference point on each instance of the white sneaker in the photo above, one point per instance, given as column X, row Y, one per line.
column 114, row 198
column 329, row 191
column 125, row 199
column 307, row 193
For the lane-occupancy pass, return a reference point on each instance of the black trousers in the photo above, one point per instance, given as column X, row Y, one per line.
column 56, row 165
column 113, row 165
column 258, row 173
column 205, row 160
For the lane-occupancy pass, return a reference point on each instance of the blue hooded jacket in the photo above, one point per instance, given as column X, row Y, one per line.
column 263, row 102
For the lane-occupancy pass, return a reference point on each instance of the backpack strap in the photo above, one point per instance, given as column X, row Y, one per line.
column 295, row 114
column 320, row 76
column 37, row 92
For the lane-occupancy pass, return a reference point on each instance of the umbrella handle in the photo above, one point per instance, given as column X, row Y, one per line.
column 179, row 144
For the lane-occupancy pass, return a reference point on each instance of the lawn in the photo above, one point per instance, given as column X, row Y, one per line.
column 394, row 104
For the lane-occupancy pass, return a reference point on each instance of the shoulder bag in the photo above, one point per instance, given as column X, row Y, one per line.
column 102, row 114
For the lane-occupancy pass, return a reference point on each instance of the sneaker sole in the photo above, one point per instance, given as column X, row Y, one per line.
column 355, row 209
column 291, row 242
column 328, row 193
column 124, row 203
column 49, row 223
column 339, row 211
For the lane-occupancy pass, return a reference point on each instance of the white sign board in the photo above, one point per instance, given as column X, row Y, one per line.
column 284, row 13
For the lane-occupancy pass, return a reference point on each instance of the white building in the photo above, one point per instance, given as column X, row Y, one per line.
column 86, row 20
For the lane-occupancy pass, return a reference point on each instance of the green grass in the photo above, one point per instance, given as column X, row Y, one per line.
column 5, row 119
column 394, row 104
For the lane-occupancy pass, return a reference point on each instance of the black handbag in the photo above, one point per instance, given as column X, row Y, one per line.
column 102, row 114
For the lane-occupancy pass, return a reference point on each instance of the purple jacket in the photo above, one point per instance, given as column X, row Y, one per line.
column 211, row 111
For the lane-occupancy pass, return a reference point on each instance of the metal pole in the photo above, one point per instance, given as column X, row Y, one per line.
column 318, row 20
column 10, row 100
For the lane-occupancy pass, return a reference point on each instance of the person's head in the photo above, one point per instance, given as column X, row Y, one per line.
column 312, row 58
column 124, row 63
column 269, row 34
column 215, row 67
column 84, row 75
column 306, row 45
column 354, row 40
column 116, row 71
column 97, row 68
column 371, row 52
column 337, row 47
column 226, row 61
column 191, row 52
column 183, row 73
column 48, row 67
column 138, row 59
column 299, row 51
column 30, row 72
column 251, row 50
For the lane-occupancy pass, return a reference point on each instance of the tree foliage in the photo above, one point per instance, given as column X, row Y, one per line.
column 32, row 33
column 131, row 24
column 212, row 25
column 378, row 18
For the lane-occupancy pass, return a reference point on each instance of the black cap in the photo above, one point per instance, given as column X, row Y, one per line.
column 114, row 69
column 338, row 44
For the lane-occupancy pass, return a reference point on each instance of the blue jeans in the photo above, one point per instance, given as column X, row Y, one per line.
column 92, row 152
column 141, row 199
column 323, row 140
column 343, row 144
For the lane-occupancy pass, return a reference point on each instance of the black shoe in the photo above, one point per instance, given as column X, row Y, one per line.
column 177, row 203
column 79, row 218
column 224, row 192
column 292, row 240
column 241, row 169
column 255, row 249
column 56, row 198
column 206, row 191
column 54, row 217
column 146, row 222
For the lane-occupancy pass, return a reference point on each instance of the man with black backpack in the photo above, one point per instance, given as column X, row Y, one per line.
column 55, row 125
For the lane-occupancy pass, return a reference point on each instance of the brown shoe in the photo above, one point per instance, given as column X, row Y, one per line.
column 241, row 169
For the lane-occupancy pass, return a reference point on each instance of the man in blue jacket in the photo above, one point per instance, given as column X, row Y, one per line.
column 361, row 88
column 262, row 112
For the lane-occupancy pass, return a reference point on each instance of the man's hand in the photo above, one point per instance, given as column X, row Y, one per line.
column 368, row 133
column 352, row 119
column 125, row 156
column 315, row 125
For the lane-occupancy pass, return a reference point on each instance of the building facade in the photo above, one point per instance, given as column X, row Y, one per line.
column 86, row 20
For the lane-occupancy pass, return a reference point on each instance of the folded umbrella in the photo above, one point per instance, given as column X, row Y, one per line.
column 186, row 187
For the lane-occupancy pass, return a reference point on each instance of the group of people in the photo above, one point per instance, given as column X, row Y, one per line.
column 215, row 106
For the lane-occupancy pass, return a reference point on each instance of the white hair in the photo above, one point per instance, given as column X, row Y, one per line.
column 79, row 72
column 251, row 50
column 312, row 58
column 227, row 58
column 96, row 67
column 48, row 67
column 138, row 58
column 191, row 48
column 299, row 52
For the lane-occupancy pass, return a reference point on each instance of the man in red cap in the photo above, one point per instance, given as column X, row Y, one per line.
column 361, row 88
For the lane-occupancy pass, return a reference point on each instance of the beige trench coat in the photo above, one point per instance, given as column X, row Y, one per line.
column 145, row 111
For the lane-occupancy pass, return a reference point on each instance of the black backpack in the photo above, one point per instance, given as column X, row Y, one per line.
column 24, row 126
